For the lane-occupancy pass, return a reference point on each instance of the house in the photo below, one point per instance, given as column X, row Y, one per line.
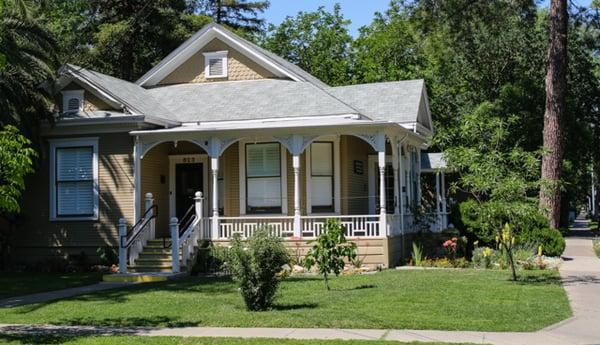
column 223, row 137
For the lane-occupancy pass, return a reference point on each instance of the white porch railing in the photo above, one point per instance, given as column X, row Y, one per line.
column 186, row 233
column 282, row 226
column 133, row 240
column 355, row 225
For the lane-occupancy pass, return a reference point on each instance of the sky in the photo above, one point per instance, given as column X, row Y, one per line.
column 360, row 12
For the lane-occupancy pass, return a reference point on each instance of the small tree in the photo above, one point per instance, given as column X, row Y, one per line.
column 329, row 250
column 255, row 264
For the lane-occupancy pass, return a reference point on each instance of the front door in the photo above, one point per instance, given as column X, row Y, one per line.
column 188, row 181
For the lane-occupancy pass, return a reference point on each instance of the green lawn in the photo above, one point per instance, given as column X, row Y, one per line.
column 24, row 283
column 411, row 299
column 17, row 340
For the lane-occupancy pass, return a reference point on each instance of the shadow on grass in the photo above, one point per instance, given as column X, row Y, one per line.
column 155, row 321
column 284, row 307
column 545, row 278
column 360, row 287
column 35, row 339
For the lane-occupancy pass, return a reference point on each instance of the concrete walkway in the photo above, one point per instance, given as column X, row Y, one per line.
column 580, row 273
column 58, row 294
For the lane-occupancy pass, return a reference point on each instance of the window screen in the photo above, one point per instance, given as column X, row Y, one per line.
column 321, row 165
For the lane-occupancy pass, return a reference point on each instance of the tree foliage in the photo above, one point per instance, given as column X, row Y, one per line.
column 237, row 14
column 16, row 156
column 27, row 59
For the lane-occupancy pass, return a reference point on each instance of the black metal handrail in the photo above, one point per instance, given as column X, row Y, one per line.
column 134, row 231
column 183, row 224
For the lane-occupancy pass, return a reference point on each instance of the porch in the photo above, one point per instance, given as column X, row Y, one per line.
column 214, row 186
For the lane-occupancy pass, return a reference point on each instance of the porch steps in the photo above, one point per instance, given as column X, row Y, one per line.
column 155, row 258
column 150, row 277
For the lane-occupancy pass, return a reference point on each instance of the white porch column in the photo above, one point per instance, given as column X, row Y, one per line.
column 214, row 165
column 593, row 208
column 401, row 184
column 396, row 184
column 137, row 182
column 382, row 211
column 148, row 203
column 444, row 211
column 297, row 221
column 437, row 201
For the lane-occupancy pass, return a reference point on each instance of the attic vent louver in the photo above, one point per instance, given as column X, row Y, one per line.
column 215, row 64
column 72, row 100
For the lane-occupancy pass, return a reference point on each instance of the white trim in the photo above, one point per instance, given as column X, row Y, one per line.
column 213, row 56
column 75, row 142
column 67, row 95
column 373, row 176
column 242, row 170
column 181, row 159
column 337, row 203
column 195, row 44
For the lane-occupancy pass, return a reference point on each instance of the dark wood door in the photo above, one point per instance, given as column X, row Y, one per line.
column 188, row 181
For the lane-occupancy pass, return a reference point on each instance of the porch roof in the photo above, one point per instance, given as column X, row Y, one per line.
column 432, row 162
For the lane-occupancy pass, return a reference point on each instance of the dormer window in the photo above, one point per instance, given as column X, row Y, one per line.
column 215, row 64
column 72, row 101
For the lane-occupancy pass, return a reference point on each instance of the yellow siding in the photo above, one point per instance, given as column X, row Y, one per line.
column 239, row 67
column 154, row 165
column 39, row 237
column 354, row 186
column 91, row 101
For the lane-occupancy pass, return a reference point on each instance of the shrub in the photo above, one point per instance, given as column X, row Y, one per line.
column 482, row 220
column 552, row 241
column 596, row 244
column 329, row 250
column 107, row 256
column 483, row 257
column 211, row 259
column 255, row 264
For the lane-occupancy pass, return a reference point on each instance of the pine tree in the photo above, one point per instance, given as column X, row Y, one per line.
column 556, row 90
column 238, row 14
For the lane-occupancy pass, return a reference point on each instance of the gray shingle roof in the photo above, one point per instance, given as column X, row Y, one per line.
column 391, row 101
column 247, row 100
column 134, row 97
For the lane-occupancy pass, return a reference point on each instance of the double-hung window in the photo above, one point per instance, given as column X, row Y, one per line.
column 263, row 178
column 74, row 179
column 321, row 177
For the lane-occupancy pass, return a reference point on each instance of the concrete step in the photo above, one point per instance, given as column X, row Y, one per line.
column 149, row 277
column 151, row 269
column 152, row 261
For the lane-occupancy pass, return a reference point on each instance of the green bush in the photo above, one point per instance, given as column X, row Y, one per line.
column 596, row 244
column 552, row 241
column 482, row 220
column 255, row 264
column 107, row 256
column 211, row 259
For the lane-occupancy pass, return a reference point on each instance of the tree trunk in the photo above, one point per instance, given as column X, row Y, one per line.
column 556, row 89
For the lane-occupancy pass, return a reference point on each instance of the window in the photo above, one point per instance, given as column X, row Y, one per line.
column 321, row 173
column 263, row 178
column 74, row 179
column 72, row 101
column 215, row 64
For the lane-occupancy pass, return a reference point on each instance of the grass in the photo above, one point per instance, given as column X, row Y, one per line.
column 114, row 340
column 412, row 299
column 25, row 283
column 596, row 245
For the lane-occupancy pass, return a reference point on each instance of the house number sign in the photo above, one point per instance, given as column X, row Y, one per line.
column 189, row 159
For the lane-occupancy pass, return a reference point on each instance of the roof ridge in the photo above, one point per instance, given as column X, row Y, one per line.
column 380, row 83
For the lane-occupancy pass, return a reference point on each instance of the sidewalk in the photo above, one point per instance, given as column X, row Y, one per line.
column 580, row 273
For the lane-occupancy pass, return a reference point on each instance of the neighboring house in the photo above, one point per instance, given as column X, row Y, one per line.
column 264, row 141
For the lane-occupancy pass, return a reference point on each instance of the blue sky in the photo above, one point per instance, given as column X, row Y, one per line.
column 360, row 12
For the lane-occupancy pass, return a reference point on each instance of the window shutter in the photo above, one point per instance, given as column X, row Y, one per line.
column 74, row 179
column 215, row 67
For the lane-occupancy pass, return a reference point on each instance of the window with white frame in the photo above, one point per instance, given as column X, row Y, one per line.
column 215, row 64
column 74, row 179
column 321, row 177
column 72, row 100
column 263, row 178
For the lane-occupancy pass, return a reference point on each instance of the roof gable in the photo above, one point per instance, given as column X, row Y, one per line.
column 279, row 67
